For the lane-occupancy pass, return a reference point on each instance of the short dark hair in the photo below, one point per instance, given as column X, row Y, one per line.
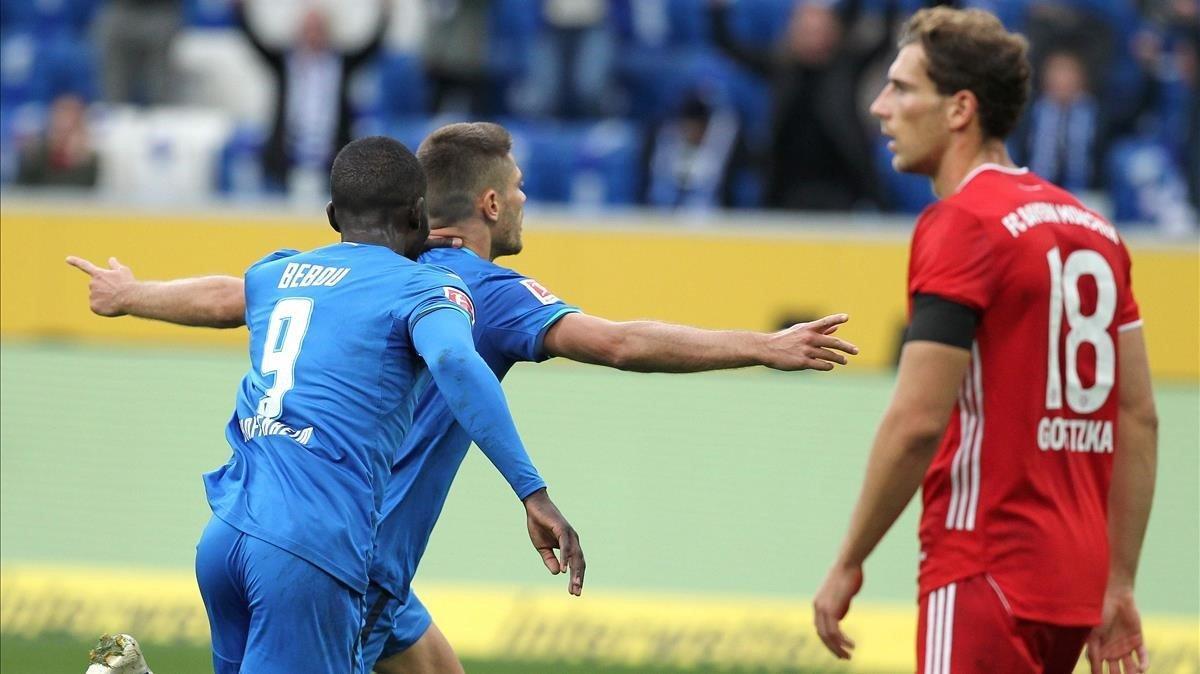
column 374, row 174
column 970, row 49
column 461, row 160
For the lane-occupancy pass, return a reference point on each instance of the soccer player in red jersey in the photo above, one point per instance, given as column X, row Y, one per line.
column 1023, row 405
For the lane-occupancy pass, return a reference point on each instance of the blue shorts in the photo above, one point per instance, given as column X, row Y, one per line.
column 391, row 626
column 271, row 612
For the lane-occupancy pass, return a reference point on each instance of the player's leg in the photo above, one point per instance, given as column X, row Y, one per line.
column 302, row 619
column 416, row 645
column 966, row 628
column 228, row 613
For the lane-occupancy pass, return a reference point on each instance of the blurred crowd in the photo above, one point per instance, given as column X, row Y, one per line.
column 673, row 104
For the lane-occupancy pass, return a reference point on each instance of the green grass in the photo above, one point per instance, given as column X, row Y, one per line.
column 69, row 656
column 728, row 483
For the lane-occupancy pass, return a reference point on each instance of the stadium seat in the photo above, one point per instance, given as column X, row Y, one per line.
column 545, row 152
column 18, row 123
column 209, row 13
column 760, row 22
column 239, row 170
column 607, row 166
column 1147, row 187
column 48, row 19
column 395, row 86
column 906, row 192
column 165, row 154
column 584, row 163
column 658, row 80
column 513, row 31
column 37, row 69
column 660, row 23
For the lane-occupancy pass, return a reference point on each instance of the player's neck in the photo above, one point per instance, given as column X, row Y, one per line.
column 477, row 239
column 958, row 163
column 374, row 238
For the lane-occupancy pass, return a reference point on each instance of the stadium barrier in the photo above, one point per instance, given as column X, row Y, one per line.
column 755, row 275
column 486, row 622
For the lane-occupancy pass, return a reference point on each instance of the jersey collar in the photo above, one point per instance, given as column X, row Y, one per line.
column 991, row 166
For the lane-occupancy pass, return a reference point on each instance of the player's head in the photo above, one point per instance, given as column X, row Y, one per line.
column 959, row 81
column 473, row 176
column 378, row 190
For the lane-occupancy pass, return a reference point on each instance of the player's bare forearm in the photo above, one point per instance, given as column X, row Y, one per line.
column 1134, row 463
column 899, row 458
column 927, row 384
column 207, row 301
column 652, row 346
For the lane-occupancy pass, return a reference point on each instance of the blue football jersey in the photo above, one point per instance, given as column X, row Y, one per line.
column 329, row 396
column 513, row 314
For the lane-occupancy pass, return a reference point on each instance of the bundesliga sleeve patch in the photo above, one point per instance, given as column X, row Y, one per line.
column 539, row 291
column 461, row 299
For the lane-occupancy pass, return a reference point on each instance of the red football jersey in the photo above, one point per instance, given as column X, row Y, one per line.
column 1018, row 488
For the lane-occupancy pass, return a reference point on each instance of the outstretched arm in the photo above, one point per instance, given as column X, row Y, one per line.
column 650, row 346
column 926, row 386
column 272, row 55
column 206, row 301
column 1118, row 638
column 443, row 338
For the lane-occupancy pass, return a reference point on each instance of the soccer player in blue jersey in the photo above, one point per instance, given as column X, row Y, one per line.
column 475, row 197
column 343, row 340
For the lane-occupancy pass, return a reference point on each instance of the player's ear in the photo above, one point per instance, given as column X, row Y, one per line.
column 332, row 217
column 418, row 216
column 490, row 205
column 962, row 108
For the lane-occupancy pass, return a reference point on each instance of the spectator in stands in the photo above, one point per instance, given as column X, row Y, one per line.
column 134, row 38
column 571, row 69
column 63, row 156
column 689, row 158
column 456, row 57
column 1060, row 136
column 312, row 111
column 820, row 154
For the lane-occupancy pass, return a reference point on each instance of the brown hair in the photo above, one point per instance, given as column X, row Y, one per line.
column 460, row 161
column 970, row 49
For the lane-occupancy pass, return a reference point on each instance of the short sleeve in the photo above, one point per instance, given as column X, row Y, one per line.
column 950, row 258
column 276, row 255
column 520, row 311
column 441, row 289
column 1128, row 314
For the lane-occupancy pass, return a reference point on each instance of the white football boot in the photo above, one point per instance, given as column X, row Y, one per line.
column 117, row 654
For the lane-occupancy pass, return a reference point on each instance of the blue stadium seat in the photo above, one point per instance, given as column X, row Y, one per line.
column 584, row 163
column 607, row 164
column 1145, row 183
column 209, row 13
column 906, row 192
column 513, row 31
column 37, row 69
column 660, row 23
column 49, row 19
column 760, row 22
column 17, row 123
column 239, row 170
column 392, row 85
column 545, row 152
column 658, row 80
